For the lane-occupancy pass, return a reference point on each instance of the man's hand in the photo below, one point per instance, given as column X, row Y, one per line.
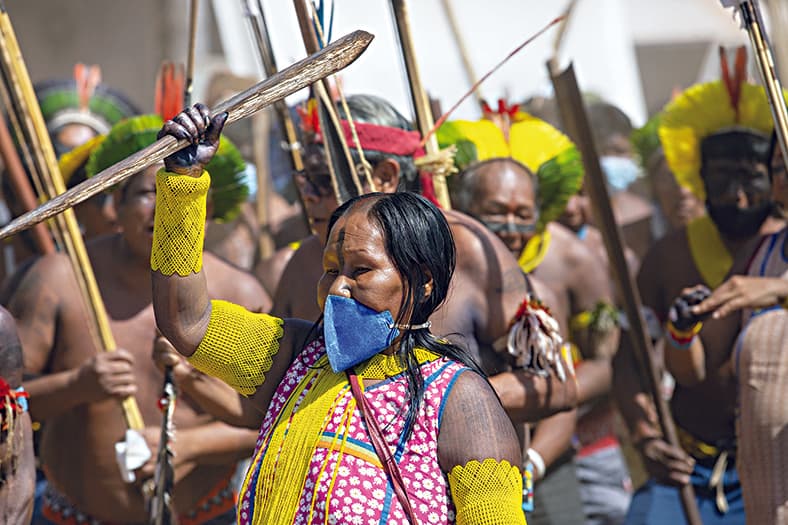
column 107, row 374
column 164, row 355
column 681, row 313
column 181, row 459
column 195, row 125
column 665, row 463
column 740, row 292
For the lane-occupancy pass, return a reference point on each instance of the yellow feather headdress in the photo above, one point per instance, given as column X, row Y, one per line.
column 531, row 141
column 704, row 110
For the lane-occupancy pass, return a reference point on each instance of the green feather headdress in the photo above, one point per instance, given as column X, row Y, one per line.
column 645, row 141
column 82, row 100
column 228, row 190
column 533, row 142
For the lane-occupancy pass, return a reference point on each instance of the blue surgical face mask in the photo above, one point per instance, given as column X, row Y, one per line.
column 249, row 178
column 353, row 332
column 620, row 172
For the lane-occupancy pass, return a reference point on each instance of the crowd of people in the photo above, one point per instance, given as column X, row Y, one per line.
column 393, row 361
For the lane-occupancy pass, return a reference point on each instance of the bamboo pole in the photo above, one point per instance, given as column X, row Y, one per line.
column 421, row 102
column 36, row 132
column 334, row 57
column 575, row 119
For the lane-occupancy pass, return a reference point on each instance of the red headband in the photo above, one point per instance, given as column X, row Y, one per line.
column 384, row 139
column 391, row 141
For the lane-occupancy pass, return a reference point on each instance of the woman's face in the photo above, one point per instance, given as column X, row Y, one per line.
column 356, row 264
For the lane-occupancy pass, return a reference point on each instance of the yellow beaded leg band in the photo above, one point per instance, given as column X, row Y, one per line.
column 238, row 346
column 179, row 226
column 487, row 493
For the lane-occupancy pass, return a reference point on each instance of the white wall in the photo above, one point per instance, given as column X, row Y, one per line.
column 129, row 39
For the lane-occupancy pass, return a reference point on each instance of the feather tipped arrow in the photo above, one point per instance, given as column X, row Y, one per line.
column 334, row 57
column 161, row 509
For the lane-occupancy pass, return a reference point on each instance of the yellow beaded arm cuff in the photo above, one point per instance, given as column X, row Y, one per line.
column 179, row 226
column 487, row 493
column 238, row 347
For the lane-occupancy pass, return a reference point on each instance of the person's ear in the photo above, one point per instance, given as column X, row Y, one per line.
column 426, row 289
column 386, row 176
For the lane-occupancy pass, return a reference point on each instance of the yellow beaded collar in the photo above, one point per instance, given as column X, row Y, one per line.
column 383, row 366
column 535, row 251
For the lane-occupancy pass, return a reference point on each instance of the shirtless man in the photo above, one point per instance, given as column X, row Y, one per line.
column 17, row 461
column 502, row 191
column 760, row 363
column 733, row 171
column 77, row 387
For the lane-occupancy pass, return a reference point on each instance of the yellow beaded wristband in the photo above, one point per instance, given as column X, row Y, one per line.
column 179, row 224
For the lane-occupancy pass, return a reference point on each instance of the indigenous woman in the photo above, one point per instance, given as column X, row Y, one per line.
column 369, row 418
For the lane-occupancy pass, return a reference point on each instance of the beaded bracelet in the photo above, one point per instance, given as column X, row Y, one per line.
column 682, row 339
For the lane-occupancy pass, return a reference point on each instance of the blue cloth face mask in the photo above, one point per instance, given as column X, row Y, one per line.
column 620, row 172
column 353, row 332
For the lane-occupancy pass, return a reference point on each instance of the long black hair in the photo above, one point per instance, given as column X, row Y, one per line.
column 420, row 244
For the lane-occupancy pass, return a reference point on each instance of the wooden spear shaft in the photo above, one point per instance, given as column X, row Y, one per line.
column 575, row 119
column 334, row 57
column 421, row 103
column 188, row 86
column 36, row 131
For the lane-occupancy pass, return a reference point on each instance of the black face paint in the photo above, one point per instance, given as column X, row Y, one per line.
column 509, row 227
column 739, row 223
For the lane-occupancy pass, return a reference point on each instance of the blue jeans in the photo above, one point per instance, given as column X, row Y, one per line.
column 656, row 504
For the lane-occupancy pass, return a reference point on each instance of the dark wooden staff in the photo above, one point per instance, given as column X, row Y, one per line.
column 576, row 124
column 262, row 37
column 344, row 176
column 327, row 61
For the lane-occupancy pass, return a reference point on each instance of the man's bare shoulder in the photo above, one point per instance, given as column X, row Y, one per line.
column 573, row 250
column 302, row 270
column 52, row 271
column 228, row 282
column 477, row 246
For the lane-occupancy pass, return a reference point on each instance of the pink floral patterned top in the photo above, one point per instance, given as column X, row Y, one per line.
column 350, row 484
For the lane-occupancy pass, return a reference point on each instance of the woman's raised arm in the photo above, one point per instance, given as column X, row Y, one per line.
column 180, row 293
column 219, row 338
